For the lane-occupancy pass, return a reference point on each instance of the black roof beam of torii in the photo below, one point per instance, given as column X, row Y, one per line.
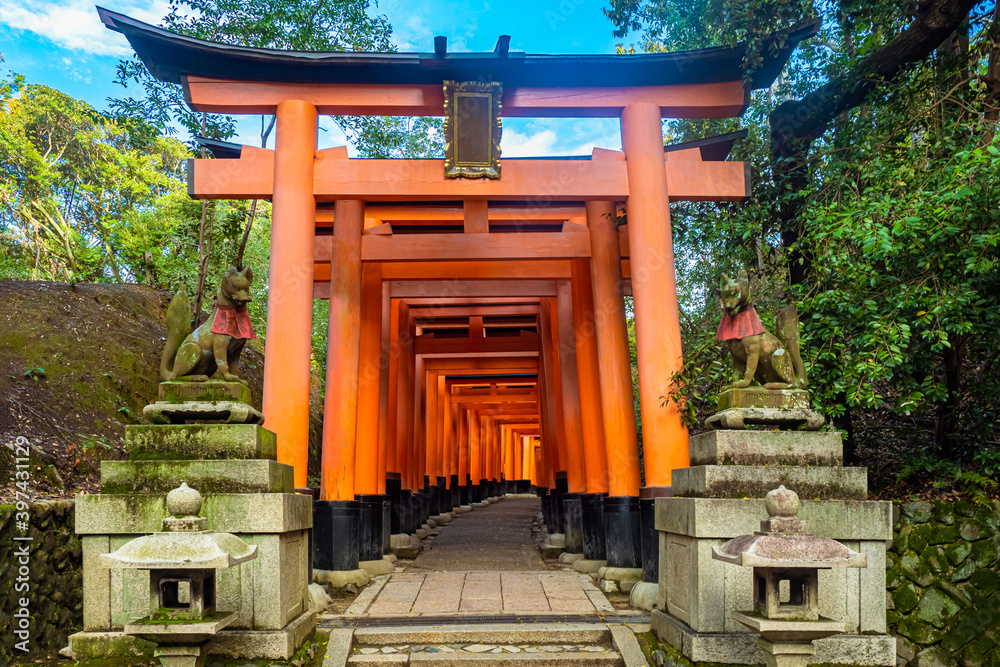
column 171, row 57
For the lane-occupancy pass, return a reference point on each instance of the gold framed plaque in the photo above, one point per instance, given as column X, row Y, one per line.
column 472, row 129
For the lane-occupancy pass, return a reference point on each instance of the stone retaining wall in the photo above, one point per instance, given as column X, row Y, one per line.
column 55, row 579
column 944, row 584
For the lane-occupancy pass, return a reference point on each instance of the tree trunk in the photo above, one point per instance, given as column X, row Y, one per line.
column 253, row 207
column 947, row 412
column 795, row 124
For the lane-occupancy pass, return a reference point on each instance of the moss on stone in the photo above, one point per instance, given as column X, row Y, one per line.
column 906, row 598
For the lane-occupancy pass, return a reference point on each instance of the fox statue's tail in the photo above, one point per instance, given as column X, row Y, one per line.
column 178, row 327
column 788, row 332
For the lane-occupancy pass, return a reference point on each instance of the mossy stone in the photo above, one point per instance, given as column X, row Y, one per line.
column 892, row 618
column 944, row 512
column 964, row 508
column 975, row 653
column 919, row 632
column 963, row 572
column 934, row 656
column 972, row 530
column 986, row 581
column 906, row 598
column 985, row 553
column 920, row 537
column 943, row 534
column 936, row 608
column 916, row 570
column 918, row 512
column 934, row 558
column 893, row 577
column 960, row 635
column 957, row 553
column 901, row 540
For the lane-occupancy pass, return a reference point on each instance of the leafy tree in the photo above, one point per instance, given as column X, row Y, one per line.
column 875, row 210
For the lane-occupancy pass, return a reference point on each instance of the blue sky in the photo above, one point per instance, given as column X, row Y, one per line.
column 61, row 43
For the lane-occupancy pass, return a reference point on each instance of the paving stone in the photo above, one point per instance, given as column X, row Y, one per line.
column 479, row 648
column 369, row 651
column 551, row 649
column 389, row 649
column 511, row 649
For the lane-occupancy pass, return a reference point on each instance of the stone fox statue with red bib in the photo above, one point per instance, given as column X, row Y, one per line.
column 212, row 351
column 773, row 361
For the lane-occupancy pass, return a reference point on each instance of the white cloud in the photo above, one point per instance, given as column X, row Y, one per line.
column 74, row 24
column 558, row 136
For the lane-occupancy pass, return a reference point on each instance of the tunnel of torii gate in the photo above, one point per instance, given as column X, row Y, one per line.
column 477, row 334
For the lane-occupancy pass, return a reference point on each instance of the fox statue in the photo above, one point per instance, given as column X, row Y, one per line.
column 775, row 362
column 212, row 351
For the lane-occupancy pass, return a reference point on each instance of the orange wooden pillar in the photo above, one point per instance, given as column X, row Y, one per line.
column 288, row 343
column 383, row 397
column 340, row 411
column 403, row 407
column 612, row 351
column 419, row 423
column 654, row 290
column 589, row 378
column 366, row 462
column 475, row 446
column 572, row 426
column 463, row 447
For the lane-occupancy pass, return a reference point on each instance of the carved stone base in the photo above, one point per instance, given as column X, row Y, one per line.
column 179, row 391
column 759, row 397
column 229, row 412
column 739, row 418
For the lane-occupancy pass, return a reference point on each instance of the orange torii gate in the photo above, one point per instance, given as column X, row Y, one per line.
column 384, row 239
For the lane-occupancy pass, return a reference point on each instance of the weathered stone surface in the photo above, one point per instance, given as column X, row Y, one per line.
column 758, row 397
column 906, row 598
column 732, row 481
column 588, row 566
column 643, row 595
column 918, row 512
column 739, row 418
column 957, row 553
column 337, row 579
column 207, row 476
column 127, row 514
column 199, row 441
column 727, row 518
column 175, row 391
column 374, row 568
column 229, row 412
column 936, row 608
column 742, row 649
column 794, row 448
column 935, row 656
column 919, row 632
column 916, row 570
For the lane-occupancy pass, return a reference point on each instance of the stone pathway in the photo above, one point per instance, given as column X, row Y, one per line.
column 495, row 537
column 478, row 593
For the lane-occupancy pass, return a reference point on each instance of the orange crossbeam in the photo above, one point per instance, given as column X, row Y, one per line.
column 423, row 180
column 704, row 100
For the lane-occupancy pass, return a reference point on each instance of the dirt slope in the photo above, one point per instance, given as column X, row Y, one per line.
column 78, row 363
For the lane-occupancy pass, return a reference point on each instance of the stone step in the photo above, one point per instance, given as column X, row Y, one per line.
column 487, row 645
column 491, row 633
column 464, row 659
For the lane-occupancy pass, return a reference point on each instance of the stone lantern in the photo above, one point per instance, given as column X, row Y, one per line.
column 786, row 561
column 182, row 561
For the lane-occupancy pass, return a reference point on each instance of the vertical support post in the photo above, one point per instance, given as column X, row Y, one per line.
column 654, row 291
column 404, row 395
column 369, row 382
column 589, row 378
column 576, row 482
column 383, row 395
column 288, row 344
column 340, row 412
column 612, row 351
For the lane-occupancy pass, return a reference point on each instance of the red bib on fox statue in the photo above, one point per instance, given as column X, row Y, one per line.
column 233, row 321
column 744, row 323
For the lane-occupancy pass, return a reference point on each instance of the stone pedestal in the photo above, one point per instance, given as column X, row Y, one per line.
column 721, row 497
column 246, row 492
